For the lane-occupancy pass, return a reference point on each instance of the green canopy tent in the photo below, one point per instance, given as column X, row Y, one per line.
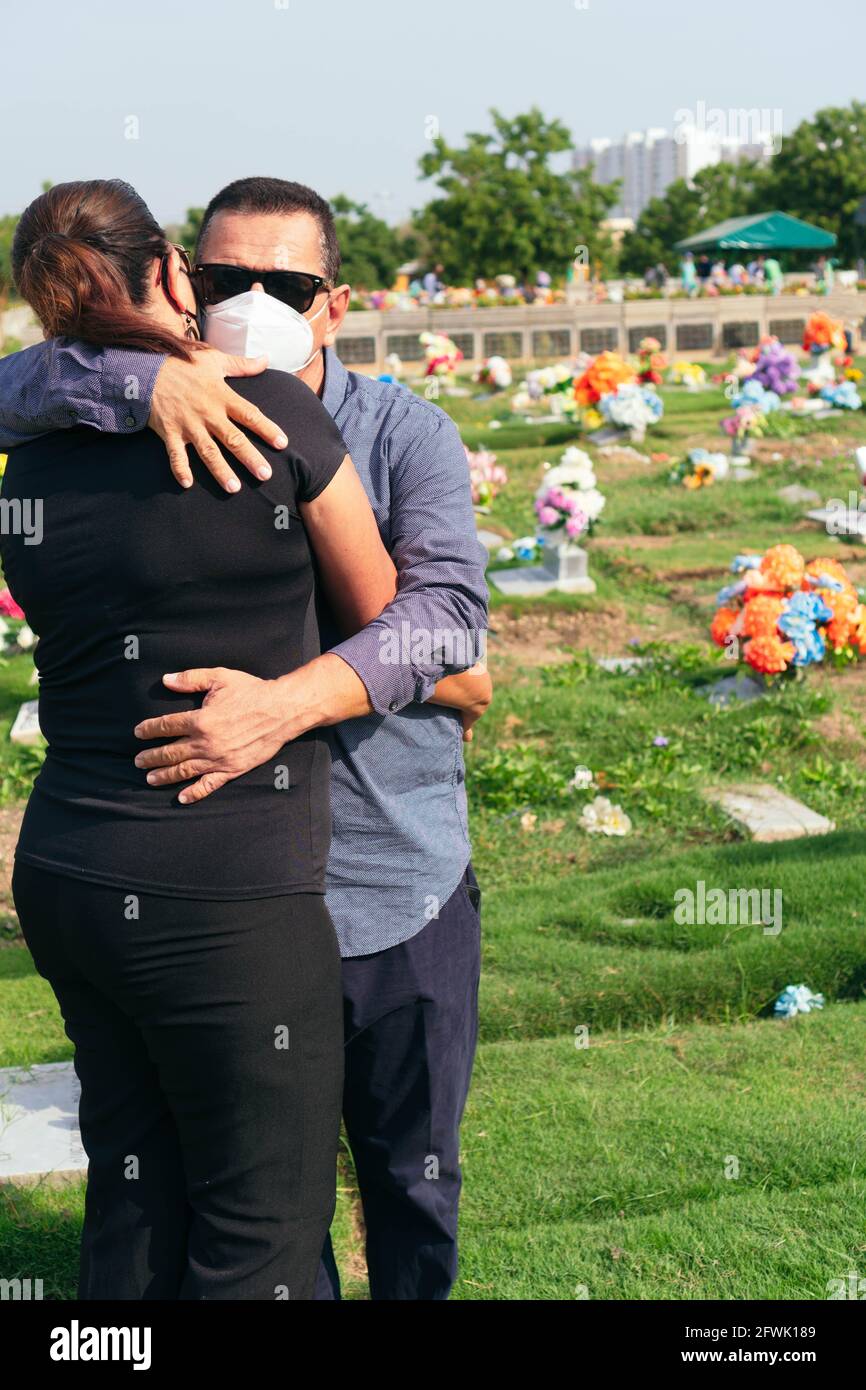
column 761, row 231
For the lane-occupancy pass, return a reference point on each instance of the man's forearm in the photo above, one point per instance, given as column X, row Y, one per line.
column 323, row 692
column 59, row 384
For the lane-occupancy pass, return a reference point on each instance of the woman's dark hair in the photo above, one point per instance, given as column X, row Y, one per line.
column 82, row 257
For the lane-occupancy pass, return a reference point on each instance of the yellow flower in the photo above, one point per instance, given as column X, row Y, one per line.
column 4, row 459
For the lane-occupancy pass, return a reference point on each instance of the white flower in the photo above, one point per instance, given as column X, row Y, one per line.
column 600, row 817
column 582, row 779
column 592, row 502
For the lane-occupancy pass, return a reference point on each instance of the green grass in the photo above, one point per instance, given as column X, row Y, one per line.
column 600, row 1172
column 606, row 1167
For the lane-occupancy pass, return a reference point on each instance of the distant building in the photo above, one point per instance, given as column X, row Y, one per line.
column 648, row 161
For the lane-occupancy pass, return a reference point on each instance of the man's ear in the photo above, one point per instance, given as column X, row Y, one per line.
column 337, row 309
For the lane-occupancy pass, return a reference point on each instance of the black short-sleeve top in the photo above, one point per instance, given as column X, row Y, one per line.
column 134, row 577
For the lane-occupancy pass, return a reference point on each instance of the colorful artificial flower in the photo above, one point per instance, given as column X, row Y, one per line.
column 842, row 395
column 632, row 407
column 486, row 476
column 769, row 655
column 797, row 999
column 601, row 817
column 495, row 372
column 651, row 362
column 753, row 392
column 688, row 374
column 441, row 355
column 8, row 607
column 700, row 469
column 747, row 422
column 568, row 502
column 822, row 333
column 788, row 613
column 776, row 369
column 723, row 622
column 601, row 377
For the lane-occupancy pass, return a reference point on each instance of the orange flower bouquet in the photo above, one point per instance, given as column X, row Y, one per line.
column 782, row 614
column 602, row 377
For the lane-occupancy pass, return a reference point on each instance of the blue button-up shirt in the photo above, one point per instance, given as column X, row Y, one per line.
column 400, row 841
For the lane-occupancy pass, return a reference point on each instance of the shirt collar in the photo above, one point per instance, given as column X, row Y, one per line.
column 336, row 384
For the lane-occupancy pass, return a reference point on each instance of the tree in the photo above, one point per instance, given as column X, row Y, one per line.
column 7, row 232
column 371, row 251
column 716, row 192
column 504, row 208
column 819, row 173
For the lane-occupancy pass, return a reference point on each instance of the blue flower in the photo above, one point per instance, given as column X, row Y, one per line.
column 746, row 562
column 797, row 999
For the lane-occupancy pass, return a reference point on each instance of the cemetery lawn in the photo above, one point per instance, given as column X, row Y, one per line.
column 698, row 1147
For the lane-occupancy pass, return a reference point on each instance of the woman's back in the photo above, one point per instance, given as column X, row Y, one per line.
column 135, row 577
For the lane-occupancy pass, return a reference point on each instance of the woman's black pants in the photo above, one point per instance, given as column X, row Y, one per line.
column 209, row 1046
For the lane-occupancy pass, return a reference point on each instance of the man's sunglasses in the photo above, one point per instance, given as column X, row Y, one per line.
column 296, row 288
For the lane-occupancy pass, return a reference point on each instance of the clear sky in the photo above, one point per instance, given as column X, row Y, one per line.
column 338, row 93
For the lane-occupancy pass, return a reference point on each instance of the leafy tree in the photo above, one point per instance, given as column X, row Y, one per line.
column 7, row 232
column 715, row 193
column 371, row 250
column 819, row 173
column 503, row 206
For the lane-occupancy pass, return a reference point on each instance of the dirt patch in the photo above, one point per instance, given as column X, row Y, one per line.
column 10, row 824
column 540, row 639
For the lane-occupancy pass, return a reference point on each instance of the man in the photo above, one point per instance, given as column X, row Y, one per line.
column 400, row 886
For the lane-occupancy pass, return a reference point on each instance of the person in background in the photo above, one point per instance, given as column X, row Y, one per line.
column 688, row 277
column 773, row 277
column 704, row 269
column 399, row 881
column 662, row 277
column 432, row 282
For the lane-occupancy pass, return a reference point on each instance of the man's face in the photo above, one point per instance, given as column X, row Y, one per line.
column 278, row 241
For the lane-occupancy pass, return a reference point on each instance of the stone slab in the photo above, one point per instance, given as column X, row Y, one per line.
column 768, row 813
column 490, row 540
column 534, row 581
column 26, row 727
column 799, row 496
column 729, row 689
column 39, row 1132
column 626, row 664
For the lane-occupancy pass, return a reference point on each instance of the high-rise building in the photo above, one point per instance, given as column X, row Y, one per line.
column 648, row 161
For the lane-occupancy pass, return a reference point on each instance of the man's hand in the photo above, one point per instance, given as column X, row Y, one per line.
column 244, row 721
column 192, row 404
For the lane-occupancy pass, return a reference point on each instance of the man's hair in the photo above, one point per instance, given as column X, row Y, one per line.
column 278, row 195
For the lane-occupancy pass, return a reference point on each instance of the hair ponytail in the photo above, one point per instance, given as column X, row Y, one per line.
column 82, row 257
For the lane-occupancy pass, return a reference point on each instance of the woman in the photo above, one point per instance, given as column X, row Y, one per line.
column 189, row 948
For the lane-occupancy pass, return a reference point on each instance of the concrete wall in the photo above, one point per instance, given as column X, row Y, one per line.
column 687, row 327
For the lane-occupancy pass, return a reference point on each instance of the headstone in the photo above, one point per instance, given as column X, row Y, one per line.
column 26, row 727
column 39, row 1122
column 767, row 813
column 566, row 573
column 728, row 689
column 799, row 496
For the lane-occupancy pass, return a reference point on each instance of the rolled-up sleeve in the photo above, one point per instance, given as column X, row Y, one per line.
column 61, row 383
column 437, row 622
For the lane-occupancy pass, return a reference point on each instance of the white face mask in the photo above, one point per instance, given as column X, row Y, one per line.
column 254, row 324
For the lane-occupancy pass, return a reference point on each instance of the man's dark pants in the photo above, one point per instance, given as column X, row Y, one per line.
column 411, row 1019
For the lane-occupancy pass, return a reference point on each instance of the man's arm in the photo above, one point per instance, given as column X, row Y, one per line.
column 437, row 622
column 61, row 383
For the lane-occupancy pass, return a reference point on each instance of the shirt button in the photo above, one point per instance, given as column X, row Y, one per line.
column 130, row 421
column 394, row 706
